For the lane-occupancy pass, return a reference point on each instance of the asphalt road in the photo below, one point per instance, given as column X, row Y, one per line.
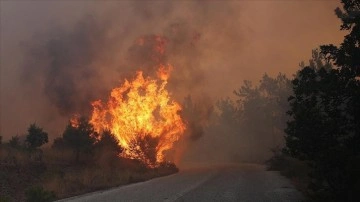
column 245, row 182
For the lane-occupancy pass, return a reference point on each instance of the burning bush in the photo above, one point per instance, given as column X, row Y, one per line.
column 144, row 148
column 142, row 116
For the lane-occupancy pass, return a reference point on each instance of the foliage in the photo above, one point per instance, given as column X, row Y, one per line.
column 4, row 199
column 108, row 143
column 229, row 112
column 325, row 112
column 14, row 141
column 234, row 127
column 347, row 56
column 59, row 144
column 297, row 171
column 270, row 97
column 265, row 104
column 39, row 194
column 36, row 136
column 197, row 115
column 145, row 149
column 80, row 138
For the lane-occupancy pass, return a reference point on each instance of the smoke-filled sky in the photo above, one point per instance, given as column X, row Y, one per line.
column 58, row 56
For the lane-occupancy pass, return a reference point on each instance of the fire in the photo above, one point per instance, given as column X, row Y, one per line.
column 142, row 116
column 74, row 120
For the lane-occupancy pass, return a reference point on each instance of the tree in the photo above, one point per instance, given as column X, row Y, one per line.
column 36, row 137
column 229, row 112
column 145, row 148
column 39, row 194
column 247, row 127
column 325, row 114
column 196, row 115
column 80, row 138
column 107, row 150
column 58, row 144
column 109, row 143
column 14, row 141
column 347, row 56
column 265, row 104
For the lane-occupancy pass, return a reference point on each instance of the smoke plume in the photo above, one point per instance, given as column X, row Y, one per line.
column 57, row 57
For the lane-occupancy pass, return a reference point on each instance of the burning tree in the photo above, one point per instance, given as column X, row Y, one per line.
column 142, row 116
column 145, row 148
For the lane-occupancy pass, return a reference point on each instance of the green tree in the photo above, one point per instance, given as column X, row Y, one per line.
column 325, row 114
column 80, row 138
column 36, row 137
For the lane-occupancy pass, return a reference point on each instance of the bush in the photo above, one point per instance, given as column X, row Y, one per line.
column 36, row 137
column 296, row 170
column 4, row 199
column 14, row 141
column 38, row 194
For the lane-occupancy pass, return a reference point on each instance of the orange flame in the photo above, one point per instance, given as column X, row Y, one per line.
column 74, row 120
column 142, row 116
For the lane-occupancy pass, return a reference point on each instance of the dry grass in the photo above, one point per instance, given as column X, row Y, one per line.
column 59, row 173
column 17, row 173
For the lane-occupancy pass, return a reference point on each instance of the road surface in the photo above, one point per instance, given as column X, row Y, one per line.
column 246, row 182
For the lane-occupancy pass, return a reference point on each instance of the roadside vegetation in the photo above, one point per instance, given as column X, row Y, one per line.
column 323, row 131
column 80, row 161
column 312, row 122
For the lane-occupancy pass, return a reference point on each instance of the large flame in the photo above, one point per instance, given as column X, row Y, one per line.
column 142, row 116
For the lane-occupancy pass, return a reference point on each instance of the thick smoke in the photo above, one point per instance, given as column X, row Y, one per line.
column 66, row 61
column 72, row 53
column 79, row 65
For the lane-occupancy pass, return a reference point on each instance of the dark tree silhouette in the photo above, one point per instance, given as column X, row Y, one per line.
column 325, row 112
column 59, row 144
column 14, row 141
column 80, row 138
column 107, row 150
column 36, row 137
column 109, row 143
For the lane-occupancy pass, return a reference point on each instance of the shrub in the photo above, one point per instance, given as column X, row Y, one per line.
column 38, row 194
column 15, row 141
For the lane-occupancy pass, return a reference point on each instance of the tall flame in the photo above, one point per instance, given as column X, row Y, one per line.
column 142, row 116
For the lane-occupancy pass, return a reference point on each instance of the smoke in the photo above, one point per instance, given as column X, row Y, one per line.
column 75, row 64
column 72, row 53
column 67, row 63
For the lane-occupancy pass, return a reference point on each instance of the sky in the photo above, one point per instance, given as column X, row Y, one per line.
column 57, row 56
